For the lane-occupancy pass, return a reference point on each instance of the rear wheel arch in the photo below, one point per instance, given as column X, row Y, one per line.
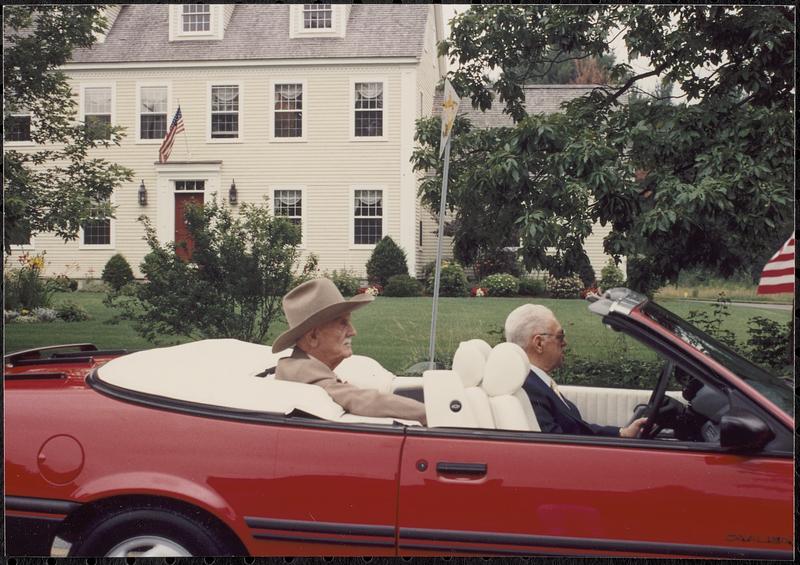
column 74, row 527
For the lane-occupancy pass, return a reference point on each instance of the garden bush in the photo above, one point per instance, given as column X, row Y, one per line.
column 501, row 284
column 93, row 285
column 310, row 271
column 345, row 281
column 494, row 262
column 23, row 287
column 564, row 287
column 402, row 285
column 428, row 269
column 387, row 259
column 43, row 314
column 611, row 276
column 769, row 344
column 62, row 283
column 453, row 281
column 529, row 286
column 71, row 312
column 242, row 266
column 117, row 272
column 610, row 373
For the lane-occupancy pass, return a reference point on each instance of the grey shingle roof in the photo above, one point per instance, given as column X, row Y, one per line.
column 261, row 31
column 539, row 98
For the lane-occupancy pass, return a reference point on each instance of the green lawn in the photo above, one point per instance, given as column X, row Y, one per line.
column 395, row 331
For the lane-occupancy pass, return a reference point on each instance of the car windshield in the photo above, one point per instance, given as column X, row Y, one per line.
column 770, row 386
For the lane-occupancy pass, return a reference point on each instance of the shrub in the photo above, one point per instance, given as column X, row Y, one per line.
column 769, row 343
column 643, row 277
column 501, row 284
column 310, row 271
column 496, row 261
column 387, row 260
column 345, row 281
column 574, row 262
column 117, row 272
column 92, row 285
column 10, row 315
column 564, row 287
column 610, row 373
column 44, row 314
column 23, row 287
column 528, row 286
column 402, row 285
column 62, row 283
column 71, row 312
column 611, row 276
column 242, row 266
column 452, row 282
column 428, row 269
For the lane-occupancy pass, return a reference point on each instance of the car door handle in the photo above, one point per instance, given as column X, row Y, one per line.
column 471, row 469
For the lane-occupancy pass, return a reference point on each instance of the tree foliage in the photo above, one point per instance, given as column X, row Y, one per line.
column 703, row 182
column 241, row 267
column 55, row 187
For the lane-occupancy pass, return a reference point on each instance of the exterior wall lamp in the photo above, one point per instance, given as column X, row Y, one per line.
column 232, row 194
column 142, row 194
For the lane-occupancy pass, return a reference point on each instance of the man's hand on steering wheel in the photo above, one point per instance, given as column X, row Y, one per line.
column 632, row 429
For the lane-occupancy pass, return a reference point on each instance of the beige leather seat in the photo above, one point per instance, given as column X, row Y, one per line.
column 446, row 403
column 469, row 362
column 504, row 374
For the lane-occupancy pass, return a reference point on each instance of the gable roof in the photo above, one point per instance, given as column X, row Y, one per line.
column 260, row 31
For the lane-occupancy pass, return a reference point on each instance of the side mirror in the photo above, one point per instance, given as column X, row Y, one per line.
column 743, row 430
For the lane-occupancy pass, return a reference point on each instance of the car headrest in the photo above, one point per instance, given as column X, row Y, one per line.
column 505, row 370
column 469, row 360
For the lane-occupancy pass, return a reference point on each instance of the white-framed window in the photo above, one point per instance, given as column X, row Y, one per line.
column 367, row 226
column 318, row 20
column 368, row 98
column 152, row 101
column 195, row 18
column 288, row 110
column 97, row 109
column 17, row 128
column 225, row 122
column 289, row 203
column 317, row 16
column 98, row 231
column 190, row 185
column 198, row 22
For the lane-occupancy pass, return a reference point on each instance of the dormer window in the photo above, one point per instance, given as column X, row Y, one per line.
column 318, row 20
column 196, row 18
column 198, row 22
column 317, row 16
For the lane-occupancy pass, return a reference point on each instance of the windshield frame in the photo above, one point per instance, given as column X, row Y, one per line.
column 777, row 391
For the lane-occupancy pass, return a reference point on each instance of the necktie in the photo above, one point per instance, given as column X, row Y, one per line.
column 554, row 386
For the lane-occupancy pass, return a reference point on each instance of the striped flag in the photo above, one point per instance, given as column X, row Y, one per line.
column 175, row 128
column 778, row 273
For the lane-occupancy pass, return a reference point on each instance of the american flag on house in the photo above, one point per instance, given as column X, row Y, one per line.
column 778, row 273
column 175, row 128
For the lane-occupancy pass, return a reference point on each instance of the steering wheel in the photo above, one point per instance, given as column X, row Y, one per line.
column 651, row 428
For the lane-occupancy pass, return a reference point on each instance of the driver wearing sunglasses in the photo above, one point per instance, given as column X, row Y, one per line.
column 536, row 330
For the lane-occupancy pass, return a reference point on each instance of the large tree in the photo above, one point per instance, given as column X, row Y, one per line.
column 54, row 186
column 706, row 180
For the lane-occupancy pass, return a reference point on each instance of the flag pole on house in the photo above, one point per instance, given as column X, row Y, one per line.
column 449, row 110
column 174, row 129
column 777, row 276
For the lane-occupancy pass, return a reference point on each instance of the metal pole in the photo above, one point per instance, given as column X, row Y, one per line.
column 442, row 204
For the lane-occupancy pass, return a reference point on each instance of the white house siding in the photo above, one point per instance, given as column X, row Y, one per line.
column 328, row 164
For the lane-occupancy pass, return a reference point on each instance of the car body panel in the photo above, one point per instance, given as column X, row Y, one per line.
column 593, row 497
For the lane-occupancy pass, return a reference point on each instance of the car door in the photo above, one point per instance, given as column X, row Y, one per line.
column 333, row 492
column 492, row 491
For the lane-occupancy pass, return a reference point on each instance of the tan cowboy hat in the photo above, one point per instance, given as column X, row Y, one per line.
column 312, row 304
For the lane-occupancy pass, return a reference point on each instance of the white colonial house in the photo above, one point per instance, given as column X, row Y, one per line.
column 312, row 105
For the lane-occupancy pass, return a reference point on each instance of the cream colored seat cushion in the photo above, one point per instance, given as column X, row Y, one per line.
column 365, row 372
column 469, row 361
column 446, row 403
column 608, row 406
column 504, row 374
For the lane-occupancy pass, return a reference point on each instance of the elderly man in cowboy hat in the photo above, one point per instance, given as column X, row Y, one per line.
column 321, row 333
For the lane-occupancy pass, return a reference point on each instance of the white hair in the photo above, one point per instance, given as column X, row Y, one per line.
column 526, row 321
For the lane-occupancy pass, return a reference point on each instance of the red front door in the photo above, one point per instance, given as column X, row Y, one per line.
column 181, row 231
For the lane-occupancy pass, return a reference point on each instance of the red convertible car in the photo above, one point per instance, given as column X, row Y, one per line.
column 196, row 450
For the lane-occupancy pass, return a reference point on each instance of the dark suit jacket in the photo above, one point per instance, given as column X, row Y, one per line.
column 557, row 417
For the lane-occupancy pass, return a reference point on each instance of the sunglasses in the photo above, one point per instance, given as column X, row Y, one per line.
column 559, row 336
